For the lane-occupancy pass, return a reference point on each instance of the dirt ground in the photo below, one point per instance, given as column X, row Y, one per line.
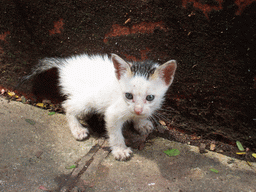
column 212, row 98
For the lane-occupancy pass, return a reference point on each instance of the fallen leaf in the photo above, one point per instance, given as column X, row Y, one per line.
column 239, row 145
column 40, row 105
column 212, row 147
column 202, row 147
column 71, row 167
column 11, row 94
column 214, row 170
column 249, row 163
column 162, row 122
column 241, row 153
column 172, row 152
column 219, row 151
column 23, row 99
column 51, row 113
column 195, row 137
column 31, row 122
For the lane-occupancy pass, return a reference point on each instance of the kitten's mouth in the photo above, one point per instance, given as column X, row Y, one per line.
column 139, row 114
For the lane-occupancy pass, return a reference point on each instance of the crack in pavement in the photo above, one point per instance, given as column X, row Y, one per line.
column 87, row 165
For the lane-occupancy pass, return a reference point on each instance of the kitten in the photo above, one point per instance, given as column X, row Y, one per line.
column 119, row 90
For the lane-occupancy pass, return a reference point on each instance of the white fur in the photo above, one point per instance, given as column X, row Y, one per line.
column 90, row 84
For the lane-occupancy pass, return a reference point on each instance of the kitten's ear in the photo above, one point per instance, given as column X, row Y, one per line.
column 166, row 72
column 121, row 66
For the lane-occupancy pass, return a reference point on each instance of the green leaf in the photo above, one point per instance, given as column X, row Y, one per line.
column 23, row 99
column 71, row 167
column 31, row 122
column 51, row 113
column 214, row 170
column 239, row 145
column 172, row 152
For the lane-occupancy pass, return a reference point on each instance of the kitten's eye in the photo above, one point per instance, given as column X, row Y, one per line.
column 150, row 97
column 129, row 96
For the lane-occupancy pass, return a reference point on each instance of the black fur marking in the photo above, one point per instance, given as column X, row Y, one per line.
column 144, row 68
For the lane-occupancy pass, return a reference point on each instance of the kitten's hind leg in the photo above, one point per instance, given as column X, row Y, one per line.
column 78, row 131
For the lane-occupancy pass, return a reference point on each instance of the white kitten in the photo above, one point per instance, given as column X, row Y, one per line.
column 119, row 90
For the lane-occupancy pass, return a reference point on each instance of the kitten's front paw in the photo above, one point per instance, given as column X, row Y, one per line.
column 80, row 133
column 144, row 127
column 122, row 154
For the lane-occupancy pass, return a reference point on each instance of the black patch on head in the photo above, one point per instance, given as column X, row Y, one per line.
column 144, row 68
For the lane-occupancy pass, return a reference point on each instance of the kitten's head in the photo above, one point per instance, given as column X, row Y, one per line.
column 143, row 84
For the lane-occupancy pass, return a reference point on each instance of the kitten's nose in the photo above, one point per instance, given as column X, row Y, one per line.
column 138, row 110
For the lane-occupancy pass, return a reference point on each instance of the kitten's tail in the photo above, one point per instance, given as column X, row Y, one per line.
column 43, row 65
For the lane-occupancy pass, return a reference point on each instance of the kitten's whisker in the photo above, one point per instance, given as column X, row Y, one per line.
column 165, row 118
column 121, row 116
column 154, row 120
column 162, row 117
column 157, row 118
column 167, row 108
column 150, row 119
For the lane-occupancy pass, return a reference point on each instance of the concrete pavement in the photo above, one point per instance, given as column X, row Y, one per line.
column 37, row 150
